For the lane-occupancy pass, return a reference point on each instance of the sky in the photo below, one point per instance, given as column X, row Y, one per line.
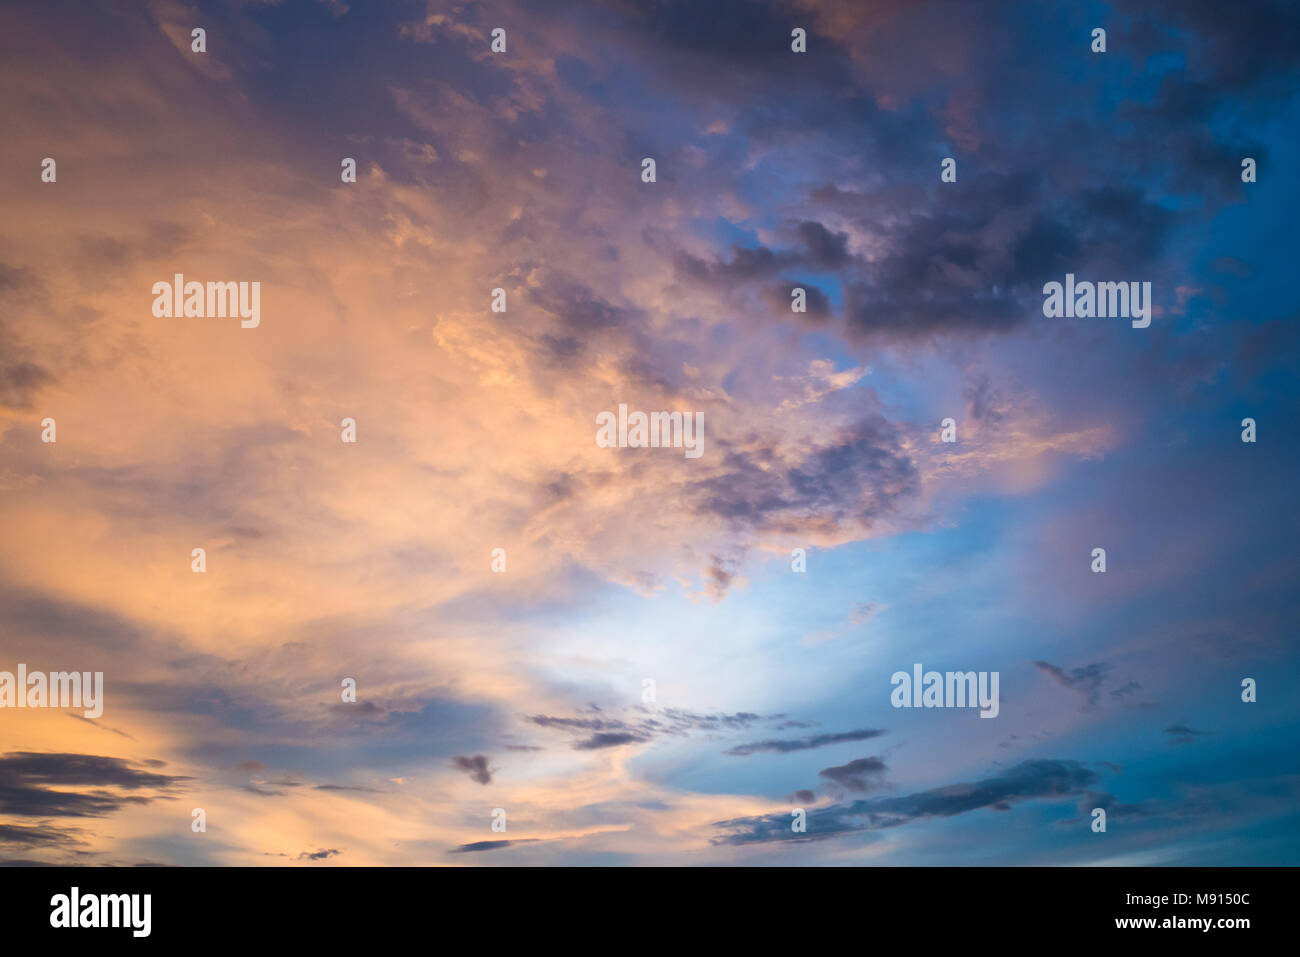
column 655, row 676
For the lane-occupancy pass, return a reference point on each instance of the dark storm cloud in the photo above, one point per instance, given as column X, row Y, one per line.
column 610, row 732
column 1181, row 734
column 1026, row 781
column 39, row 835
column 779, row 297
column 1085, row 681
column 476, row 767
column 575, row 317
column 20, row 380
column 321, row 855
column 737, row 50
column 1233, row 66
column 823, row 249
column 575, row 324
column 1125, row 690
column 864, row 476
column 862, row 774
column 577, row 308
column 831, row 480
column 1118, row 228
column 1236, row 52
column 818, row 249
column 971, row 257
column 785, row 745
column 477, row 846
column 1030, row 779
column 745, row 263
column 975, row 263
column 37, row 784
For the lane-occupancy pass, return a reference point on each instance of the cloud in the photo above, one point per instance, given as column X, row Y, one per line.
column 609, row 739
column 613, row 732
column 476, row 767
column 99, row 725
column 1181, row 734
column 1125, row 690
column 21, row 377
column 477, row 846
column 862, row 476
column 261, row 791
column 1042, row 779
column 819, row 250
column 861, row 774
column 39, row 614
column 321, row 855
column 40, row 835
column 785, row 745
column 36, row 784
column 1085, row 681
column 779, row 297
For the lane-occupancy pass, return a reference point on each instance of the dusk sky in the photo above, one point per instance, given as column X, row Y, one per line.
column 650, row 680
